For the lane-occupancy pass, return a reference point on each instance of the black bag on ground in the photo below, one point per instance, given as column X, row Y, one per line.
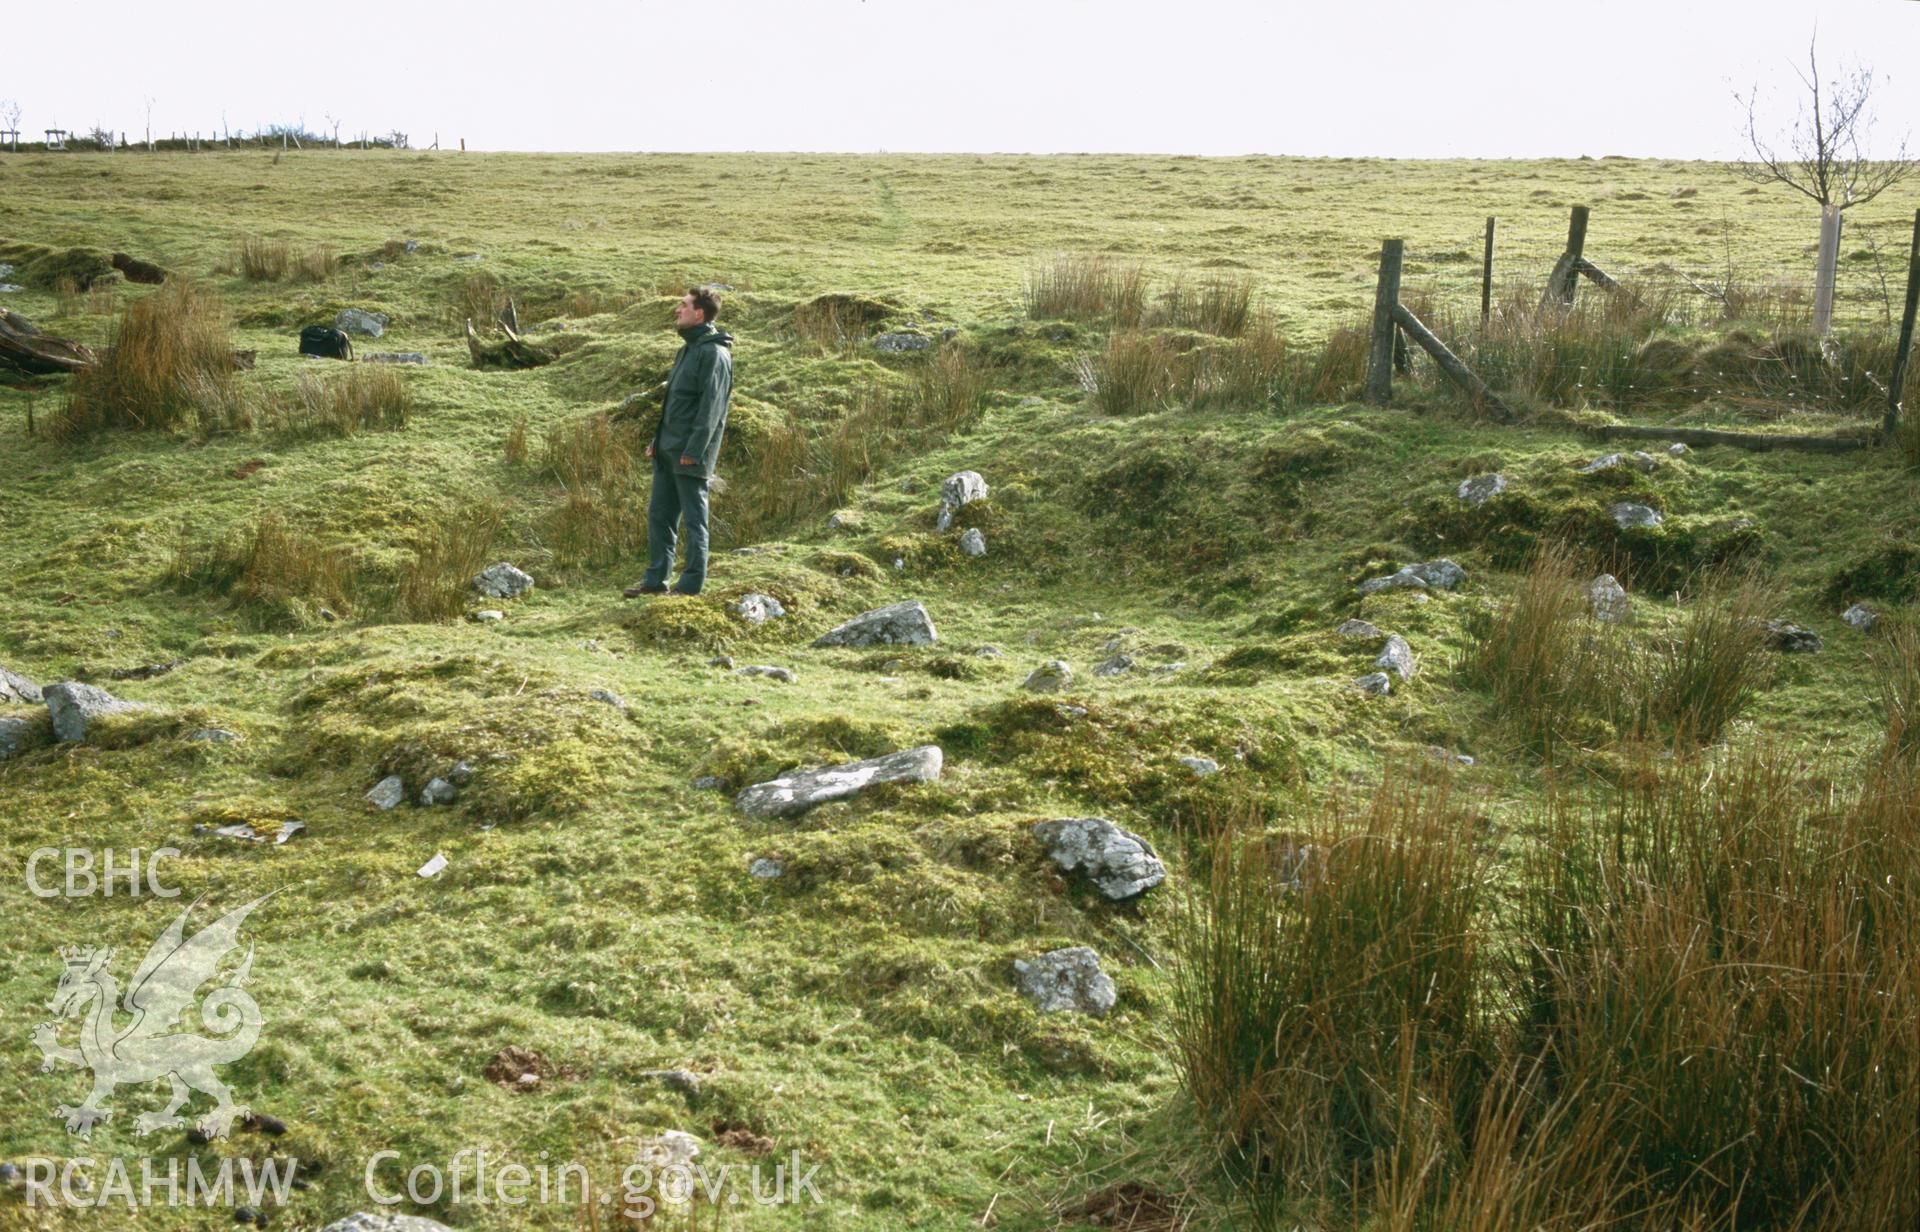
column 326, row 342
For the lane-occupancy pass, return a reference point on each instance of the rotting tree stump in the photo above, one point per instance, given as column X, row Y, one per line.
column 26, row 349
column 513, row 351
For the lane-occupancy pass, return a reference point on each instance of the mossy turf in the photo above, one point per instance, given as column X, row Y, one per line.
column 596, row 907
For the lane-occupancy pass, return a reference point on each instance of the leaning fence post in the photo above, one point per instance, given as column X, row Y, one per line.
column 1899, row 374
column 1486, row 278
column 1386, row 297
column 1566, row 271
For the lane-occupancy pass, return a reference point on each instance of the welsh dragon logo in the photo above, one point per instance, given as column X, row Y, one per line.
column 163, row 987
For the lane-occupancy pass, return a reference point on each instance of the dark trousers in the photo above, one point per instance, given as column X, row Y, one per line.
column 676, row 496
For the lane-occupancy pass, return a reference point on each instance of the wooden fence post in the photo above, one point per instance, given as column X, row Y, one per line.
column 1486, row 278
column 1566, row 271
column 1386, row 297
column 1826, row 273
column 1899, row 375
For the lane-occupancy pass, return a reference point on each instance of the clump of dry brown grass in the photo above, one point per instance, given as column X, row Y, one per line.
column 600, row 516
column 516, row 447
column 277, row 575
column 168, row 364
column 436, row 583
column 261, row 260
column 358, row 399
column 1087, row 288
column 1217, row 305
column 1137, row 373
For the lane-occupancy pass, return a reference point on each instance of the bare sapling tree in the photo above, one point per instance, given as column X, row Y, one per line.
column 1825, row 157
column 10, row 120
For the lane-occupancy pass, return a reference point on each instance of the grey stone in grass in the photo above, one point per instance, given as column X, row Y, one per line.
column 766, row 868
column 213, row 735
column 75, row 707
column 988, row 652
column 1396, row 657
column 792, row 794
column 1168, row 669
column 438, row 791
column 502, row 581
column 973, row 543
column 725, row 661
column 784, row 675
column 1638, row 459
column 1628, row 515
column 386, row 1221
column 1201, row 766
column 18, row 689
column 607, row 697
column 897, row 343
column 1439, row 574
column 1448, row 755
column 1359, row 628
column 461, row 774
column 355, row 321
column 1118, row 665
column 394, row 357
column 23, row 733
column 1069, row 979
column 1861, row 617
column 898, row 624
column 388, row 793
column 682, row 1080
column 1607, row 599
column 1119, row 864
column 960, row 488
column 1790, row 638
column 709, row 782
column 487, row 616
column 1379, row 684
column 757, row 609
column 1481, row 488
column 1050, row 677
column 10, row 288
column 1678, row 450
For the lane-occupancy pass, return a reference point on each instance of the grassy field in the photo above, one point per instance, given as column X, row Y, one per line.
column 859, row 1009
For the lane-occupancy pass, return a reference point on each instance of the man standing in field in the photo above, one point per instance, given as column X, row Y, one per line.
column 687, row 444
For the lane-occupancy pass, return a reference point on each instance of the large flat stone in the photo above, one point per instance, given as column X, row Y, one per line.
column 792, row 794
column 898, row 624
column 75, row 707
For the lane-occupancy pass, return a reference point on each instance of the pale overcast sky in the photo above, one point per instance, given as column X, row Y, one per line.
column 1397, row 78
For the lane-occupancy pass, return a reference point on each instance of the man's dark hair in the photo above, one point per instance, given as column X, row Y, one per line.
column 707, row 300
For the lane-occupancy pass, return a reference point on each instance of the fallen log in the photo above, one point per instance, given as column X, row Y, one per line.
column 510, row 352
column 27, row 349
column 1760, row 441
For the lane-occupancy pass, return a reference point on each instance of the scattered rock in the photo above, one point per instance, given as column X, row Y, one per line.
column 725, row 661
column 988, row 652
column 1396, row 657
column 784, row 675
column 1482, row 488
column 354, row 321
column 791, row 794
column 1440, row 574
column 1628, row 515
column 488, row 615
column 709, row 782
column 23, row 734
column 145, row 672
column 1791, row 638
column 1861, row 617
column 899, row 624
column 438, row 791
column 1168, row 669
column 388, row 792
column 275, row 832
column 1607, row 599
column 1118, row 665
column 845, row 519
column 1379, row 684
column 386, row 1222
column 607, row 697
column 973, row 543
column 766, row 868
column 10, row 288
column 518, row 1069
column 895, row 344
column 18, row 690
column 502, row 581
column 1678, row 450
column 1359, row 628
column 1050, row 677
column 394, row 357
column 433, row 867
column 74, row 708
column 684, row 1081
column 1639, row 459
column 744, row 1140
column 1119, row 864
column 213, row 735
column 960, row 488
column 1067, row 979
column 1201, row 766
column 1072, row 712
column 758, row 609
column 1448, row 755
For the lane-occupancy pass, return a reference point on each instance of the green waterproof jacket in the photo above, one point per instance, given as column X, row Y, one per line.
column 694, row 416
